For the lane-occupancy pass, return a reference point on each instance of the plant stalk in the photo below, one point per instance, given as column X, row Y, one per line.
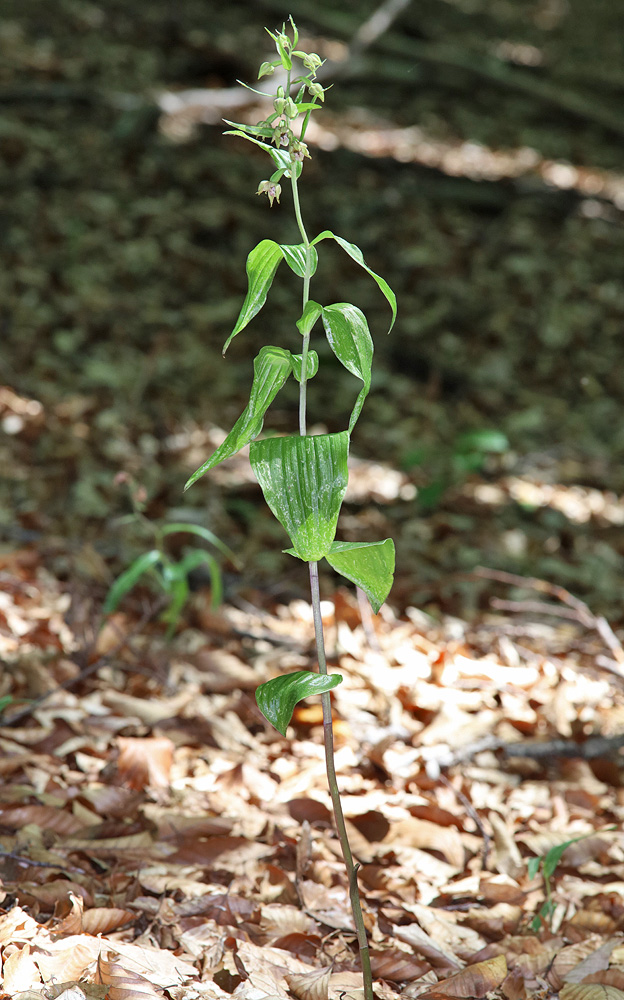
column 332, row 781
column 328, row 730
column 303, row 386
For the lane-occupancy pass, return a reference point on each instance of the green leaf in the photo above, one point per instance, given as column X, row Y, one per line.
column 272, row 366
column 356, row 254
column 296, row 361
column 370, row 565
column 310, row 314
column 129, row 578
column 304, row 480
column 174, row 528
column 553, row 857
column 277, row 698
column 177, row 588
column 286, row 60
column 484, row 440
column 262, row 263
column 350, row 340
column 533, row 866
column 280, row 157
column 195, row 558
column 247, row 130
column 295, row 257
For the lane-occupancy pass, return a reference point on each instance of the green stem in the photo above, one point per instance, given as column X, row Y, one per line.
column 328, row 731
column 332, row 781
column 307, row 274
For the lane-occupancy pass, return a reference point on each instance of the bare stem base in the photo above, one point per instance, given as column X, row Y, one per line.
column 328, row 737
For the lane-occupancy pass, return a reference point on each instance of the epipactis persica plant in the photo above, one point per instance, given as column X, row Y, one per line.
column 304, row 477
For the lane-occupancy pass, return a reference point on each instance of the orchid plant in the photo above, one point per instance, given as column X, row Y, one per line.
column 304, row 477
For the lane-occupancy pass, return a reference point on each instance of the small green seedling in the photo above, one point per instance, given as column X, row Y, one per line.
column 171, row 576
column 304, row 477
column 548, row 863
column 5, row 701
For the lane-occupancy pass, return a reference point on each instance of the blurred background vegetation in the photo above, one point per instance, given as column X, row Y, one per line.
column 472, row 151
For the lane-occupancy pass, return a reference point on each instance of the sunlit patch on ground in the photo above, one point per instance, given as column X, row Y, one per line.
column 578, row 503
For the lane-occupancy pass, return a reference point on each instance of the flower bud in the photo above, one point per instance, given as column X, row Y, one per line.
column 266, row 69
column 279, row 104
column 290, row 108
column 315, row 90
column 312, row 61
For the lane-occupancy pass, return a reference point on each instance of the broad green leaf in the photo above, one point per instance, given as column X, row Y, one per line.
column 262, row 263
column 312, row 364
column 356, row 254
column 310, row 314
column 295, row 257
column 370, row 565
column 272, row 366
column 280, row 157
column 174, row 528
column 129, row 578
column 304, row 480
column 277, row 698
column 533, row 866
column 350, row 340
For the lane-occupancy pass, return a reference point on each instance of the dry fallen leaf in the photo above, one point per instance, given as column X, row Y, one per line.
column 310, row 985
column 475, row 981
column 123, row 984
column 145, row 762
column 20, row 971
column 590, row 991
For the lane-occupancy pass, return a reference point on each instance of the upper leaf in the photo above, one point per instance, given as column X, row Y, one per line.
column 280, row 157
column 296, row 361
column 370, row 565
column 272, row 366
column 350, row 340
column 304, row 479
column 356, row 254
column 277, row 698
column 310, row 314
column 262, row 263
column 295, row 257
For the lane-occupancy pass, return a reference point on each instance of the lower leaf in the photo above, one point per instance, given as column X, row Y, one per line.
column 277, row 698
column 370, row 565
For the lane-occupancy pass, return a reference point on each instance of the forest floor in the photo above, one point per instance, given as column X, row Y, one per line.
column 157, row 838
column 160, row 839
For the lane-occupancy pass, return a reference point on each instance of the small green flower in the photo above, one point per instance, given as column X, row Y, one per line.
column 271, row 190
column 281, row 134
column 266, row 69
column 299, row 150
column 290, row 108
